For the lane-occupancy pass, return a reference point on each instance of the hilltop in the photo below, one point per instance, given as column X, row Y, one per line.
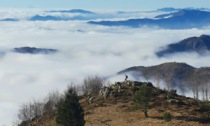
column 119, row 109
column 173, row 74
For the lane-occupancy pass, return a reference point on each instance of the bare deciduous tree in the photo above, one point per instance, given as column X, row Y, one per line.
column 182, row 87
column 92, row 85
column 24, row 113
column 157, row 78
column 194, row 86
column 51, row 101
column 167, row 83
column 205, row 91
column 30, row 110
column 146, row 76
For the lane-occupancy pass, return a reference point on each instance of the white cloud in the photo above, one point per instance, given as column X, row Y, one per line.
column 24, row 14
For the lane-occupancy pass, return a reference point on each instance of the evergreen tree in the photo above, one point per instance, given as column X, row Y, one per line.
column 69, row 112
column 142, row 98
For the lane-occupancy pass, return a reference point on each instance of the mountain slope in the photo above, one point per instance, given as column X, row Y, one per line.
column 193, row 44
column 178, row 75
column 120, row 110
column 182, row 19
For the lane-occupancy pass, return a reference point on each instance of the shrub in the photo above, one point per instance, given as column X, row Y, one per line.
column 205, row 110
column 171, row 94
column 167, row 116
column 24, row 123
column 69, row 112
column 51, row 101
column 205, row 107
column 133, row 108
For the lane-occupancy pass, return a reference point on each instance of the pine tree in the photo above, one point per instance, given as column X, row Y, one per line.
column 142, row 98
column 69, row 112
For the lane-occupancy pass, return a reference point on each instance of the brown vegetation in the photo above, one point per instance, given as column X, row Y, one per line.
column 120, row 110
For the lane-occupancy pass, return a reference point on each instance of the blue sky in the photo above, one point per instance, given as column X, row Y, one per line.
column 103, row 4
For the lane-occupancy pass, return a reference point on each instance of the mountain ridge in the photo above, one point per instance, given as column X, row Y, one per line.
column 74, row 11
column 199, row 44
column 182, row 19
column 34, row 50
column 178, row 75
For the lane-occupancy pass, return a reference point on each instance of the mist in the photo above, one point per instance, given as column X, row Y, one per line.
column 83, row 50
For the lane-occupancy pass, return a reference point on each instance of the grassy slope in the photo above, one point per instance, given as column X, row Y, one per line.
column 120, row 111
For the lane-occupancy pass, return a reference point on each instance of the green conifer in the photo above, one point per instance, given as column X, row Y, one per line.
column 142, row 98
column 69, row 112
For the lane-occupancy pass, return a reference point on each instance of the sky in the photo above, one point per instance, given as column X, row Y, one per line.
column 103, row 4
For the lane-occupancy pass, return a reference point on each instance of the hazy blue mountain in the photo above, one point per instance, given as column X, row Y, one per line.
column 193, row 44
column 182, row 19
column 73, row 11
column 9, row 19
column 33, row 50
column 186, row 14
column 57, row 18
column 168, row 9
column 46, row 18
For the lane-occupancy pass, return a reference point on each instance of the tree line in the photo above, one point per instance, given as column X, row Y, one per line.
column 64, row 106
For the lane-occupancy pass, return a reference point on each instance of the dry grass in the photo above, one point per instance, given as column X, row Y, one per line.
column 116, row 115
column 119, row 111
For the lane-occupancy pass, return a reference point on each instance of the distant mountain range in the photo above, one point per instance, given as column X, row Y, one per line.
column 58, row 18
column 182, row 19
column 33, row 50
column 73, row 11
column 168, row 9
column 174, row 19
column 9, row 19
column 47, row 18
column 193, row 44
column 178, row 75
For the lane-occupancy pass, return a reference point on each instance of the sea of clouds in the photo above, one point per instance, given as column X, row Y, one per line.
column 84, row 50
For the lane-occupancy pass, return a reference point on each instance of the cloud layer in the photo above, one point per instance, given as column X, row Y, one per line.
column 83, row 50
